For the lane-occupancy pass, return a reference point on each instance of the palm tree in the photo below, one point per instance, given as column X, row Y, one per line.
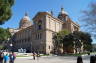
column 58, row 39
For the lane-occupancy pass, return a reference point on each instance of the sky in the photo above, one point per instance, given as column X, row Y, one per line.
column 74, row 9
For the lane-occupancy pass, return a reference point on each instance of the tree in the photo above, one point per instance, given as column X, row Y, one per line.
column 89, row 19
column 68, row 42
column 77, row 40
column 58, row 39
column 5, row 10
column 1, row 46
column 84, row 39
column 4, row 35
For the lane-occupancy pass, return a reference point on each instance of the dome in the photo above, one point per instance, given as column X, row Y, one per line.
column 63, row 15
column 26, row 17
column 25, row 22
column 63, row 12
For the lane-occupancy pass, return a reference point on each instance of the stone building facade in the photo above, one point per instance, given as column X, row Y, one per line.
column 38, row 36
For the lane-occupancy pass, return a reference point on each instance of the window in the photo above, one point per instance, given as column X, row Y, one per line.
column 39, row 25
column 38, row 36
column 49, row 47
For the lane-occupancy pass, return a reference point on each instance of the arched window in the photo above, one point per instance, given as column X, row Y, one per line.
column 39, row 24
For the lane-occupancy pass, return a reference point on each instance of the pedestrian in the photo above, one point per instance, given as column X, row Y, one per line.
column 95, row 58
column 1, row 57
column 92, row 59
column 34, row 55
column 38, row 55
column 79, row 59
column 6, row 58
column 12, row 57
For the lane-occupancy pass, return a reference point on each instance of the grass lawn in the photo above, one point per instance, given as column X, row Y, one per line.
column 21, row 56
column 77, row 54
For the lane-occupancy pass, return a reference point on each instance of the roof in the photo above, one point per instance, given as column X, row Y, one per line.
column 46, row 13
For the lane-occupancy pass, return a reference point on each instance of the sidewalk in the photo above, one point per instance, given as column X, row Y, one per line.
column 51, row 59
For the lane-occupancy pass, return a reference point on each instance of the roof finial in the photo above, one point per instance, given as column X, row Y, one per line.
column 63, row 11
column 26, row 14
column 51, row 12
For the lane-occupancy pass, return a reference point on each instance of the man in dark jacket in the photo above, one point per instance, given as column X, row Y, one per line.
column 12, row 57
column 1, row 57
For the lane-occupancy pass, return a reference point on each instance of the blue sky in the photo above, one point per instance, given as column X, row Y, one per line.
column 72, row 7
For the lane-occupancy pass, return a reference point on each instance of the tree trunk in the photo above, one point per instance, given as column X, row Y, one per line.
column 82, row 49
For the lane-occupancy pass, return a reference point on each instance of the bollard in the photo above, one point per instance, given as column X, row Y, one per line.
column 92, row 59
column 79, row 59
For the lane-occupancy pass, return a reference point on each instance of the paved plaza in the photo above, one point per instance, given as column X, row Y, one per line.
column 51, row 59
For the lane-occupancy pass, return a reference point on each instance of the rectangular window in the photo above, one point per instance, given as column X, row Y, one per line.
column 40, row 35
column 39, row 27
column 36, row 36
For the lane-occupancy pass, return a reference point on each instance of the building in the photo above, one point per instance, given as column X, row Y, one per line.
column 38, row 36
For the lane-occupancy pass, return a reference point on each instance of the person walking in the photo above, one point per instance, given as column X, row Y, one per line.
column 12, row 57
column 6, row 58
column 1, row 57
column 92, row 59
column 34, row 55
column 38, row 55
column 79, row 59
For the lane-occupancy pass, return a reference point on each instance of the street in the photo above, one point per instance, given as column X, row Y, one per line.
column 51, row 59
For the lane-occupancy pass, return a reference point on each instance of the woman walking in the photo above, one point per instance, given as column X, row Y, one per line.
column 6, row 58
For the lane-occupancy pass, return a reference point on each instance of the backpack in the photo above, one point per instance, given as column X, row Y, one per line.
column 11, row 57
